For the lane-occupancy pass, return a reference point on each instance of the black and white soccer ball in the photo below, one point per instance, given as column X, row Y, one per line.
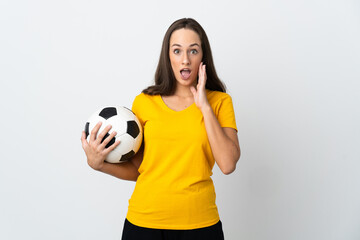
column 127, row 127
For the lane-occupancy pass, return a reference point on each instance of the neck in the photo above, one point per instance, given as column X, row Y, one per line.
column 183, row 91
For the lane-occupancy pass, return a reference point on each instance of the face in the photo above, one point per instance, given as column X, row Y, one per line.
column 185, row 56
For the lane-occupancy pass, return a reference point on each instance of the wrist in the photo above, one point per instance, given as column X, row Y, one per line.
column 97, row 166
column 206, row 108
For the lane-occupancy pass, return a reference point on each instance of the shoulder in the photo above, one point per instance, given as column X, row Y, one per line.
column 144, row 101
column 142, row 97
column 216, row 97
column 143, row 105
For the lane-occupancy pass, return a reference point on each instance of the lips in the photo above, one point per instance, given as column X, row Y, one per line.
column 185, row 73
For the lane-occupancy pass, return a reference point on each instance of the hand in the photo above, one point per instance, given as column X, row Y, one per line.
column 199, row 92
column 95, row 149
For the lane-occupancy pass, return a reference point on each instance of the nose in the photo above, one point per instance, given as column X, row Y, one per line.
column 185, row 60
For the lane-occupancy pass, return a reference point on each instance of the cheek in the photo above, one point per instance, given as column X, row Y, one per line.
column 173, row 67
column 174, row 61
column 197, row 63
column 199, row 59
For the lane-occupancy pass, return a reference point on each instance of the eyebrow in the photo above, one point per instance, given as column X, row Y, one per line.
column 179, row 45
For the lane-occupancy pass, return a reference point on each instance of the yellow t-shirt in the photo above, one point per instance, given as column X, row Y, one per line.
column 174, row 189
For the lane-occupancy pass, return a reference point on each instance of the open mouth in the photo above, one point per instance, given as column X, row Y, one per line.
column 185, row 73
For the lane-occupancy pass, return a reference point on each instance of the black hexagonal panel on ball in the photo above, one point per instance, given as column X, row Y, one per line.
column 108, row 112
column 87, row 129
column 125, row 157
column 112, row 141
column 133, row 129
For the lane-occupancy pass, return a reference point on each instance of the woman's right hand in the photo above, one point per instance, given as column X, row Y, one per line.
column 95, row 149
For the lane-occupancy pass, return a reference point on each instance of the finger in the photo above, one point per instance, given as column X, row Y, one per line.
column 203, row 72
column 101, row 135
column 200, row 69
column 108, row 139
column 83, row 140
column 94, row 132
column 203, row 76
column 112, row 147
column 199, row 76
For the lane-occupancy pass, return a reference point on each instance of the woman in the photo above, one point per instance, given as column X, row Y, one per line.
column 189, row 124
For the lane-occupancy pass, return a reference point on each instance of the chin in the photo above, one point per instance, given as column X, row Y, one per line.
column 187, row 83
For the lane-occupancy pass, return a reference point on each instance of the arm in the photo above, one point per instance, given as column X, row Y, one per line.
column 224, row 142
column 127, row 170
column 96, row 153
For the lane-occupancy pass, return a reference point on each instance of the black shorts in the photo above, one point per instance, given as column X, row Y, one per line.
column 133, row 232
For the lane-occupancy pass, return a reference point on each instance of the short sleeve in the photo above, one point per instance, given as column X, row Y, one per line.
column 225, row 112
column 136, row 108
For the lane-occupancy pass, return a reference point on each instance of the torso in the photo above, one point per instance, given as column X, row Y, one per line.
column 174, row 189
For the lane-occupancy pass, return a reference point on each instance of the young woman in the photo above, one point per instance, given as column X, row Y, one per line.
column 189, row 124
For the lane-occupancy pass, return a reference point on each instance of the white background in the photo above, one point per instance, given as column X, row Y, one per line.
column 292, row 68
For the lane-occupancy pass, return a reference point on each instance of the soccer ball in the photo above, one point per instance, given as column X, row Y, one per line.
column 128, row 129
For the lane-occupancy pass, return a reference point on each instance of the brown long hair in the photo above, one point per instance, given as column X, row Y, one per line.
column 165, row 81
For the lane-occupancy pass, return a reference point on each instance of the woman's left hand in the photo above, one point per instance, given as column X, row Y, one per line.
column 199, row 92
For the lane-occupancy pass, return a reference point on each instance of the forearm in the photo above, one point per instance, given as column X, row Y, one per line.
column 226, row 151
column 125, row 171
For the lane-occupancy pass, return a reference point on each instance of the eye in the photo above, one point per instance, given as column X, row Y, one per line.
column 193, row 51
column 176, row 51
